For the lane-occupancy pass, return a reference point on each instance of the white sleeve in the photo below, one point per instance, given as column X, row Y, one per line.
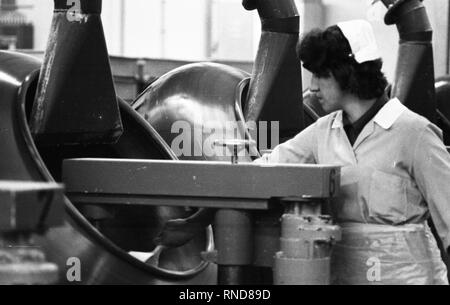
column 431, row 168
column 300, row 149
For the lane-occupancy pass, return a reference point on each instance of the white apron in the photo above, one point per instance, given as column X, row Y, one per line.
column 372, row 254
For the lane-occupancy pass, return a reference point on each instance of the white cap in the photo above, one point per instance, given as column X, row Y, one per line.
column 361, row 38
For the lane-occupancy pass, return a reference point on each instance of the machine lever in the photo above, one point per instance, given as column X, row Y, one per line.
column 235, row 146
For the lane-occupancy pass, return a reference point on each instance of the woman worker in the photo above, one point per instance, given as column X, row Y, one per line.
column 395, row 167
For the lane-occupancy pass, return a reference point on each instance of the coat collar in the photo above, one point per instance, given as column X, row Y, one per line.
column 385, row 118
column 337, row 122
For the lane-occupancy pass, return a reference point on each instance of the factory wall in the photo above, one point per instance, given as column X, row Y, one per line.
column 40, row 15
column 180, row 29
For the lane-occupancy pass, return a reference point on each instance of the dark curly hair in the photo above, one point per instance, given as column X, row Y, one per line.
column 328, row 52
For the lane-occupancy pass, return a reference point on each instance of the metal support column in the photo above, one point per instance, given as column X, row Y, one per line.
column 234, row 243
column 306, row 242
column 234, row 231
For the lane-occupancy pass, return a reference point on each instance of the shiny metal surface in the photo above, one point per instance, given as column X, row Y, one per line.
column 102, row 261
column 201, row 100
column 192, row 93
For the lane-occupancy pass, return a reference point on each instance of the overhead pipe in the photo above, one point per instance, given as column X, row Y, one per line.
column 414, row 83
column 414, row 76
column 76, row 101
column 275, row 90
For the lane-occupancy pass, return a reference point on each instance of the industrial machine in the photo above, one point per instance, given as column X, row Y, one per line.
column 66, row 108
column 36, row 142
column 126, row 185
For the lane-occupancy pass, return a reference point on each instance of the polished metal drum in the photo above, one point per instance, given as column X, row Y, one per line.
column 196, row 105
column 101, row 250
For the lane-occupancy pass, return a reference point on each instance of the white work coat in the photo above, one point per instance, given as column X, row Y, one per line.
column 396, row 173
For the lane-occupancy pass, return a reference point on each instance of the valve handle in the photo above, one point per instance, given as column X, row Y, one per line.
column 235, row 146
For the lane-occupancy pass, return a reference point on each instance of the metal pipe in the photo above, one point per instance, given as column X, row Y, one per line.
column 276, row 86
column 234, row 243
column 230, row 275
column 75, row 100
column 414, row 76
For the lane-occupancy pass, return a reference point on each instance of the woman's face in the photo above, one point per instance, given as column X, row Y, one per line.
column 328, row 92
